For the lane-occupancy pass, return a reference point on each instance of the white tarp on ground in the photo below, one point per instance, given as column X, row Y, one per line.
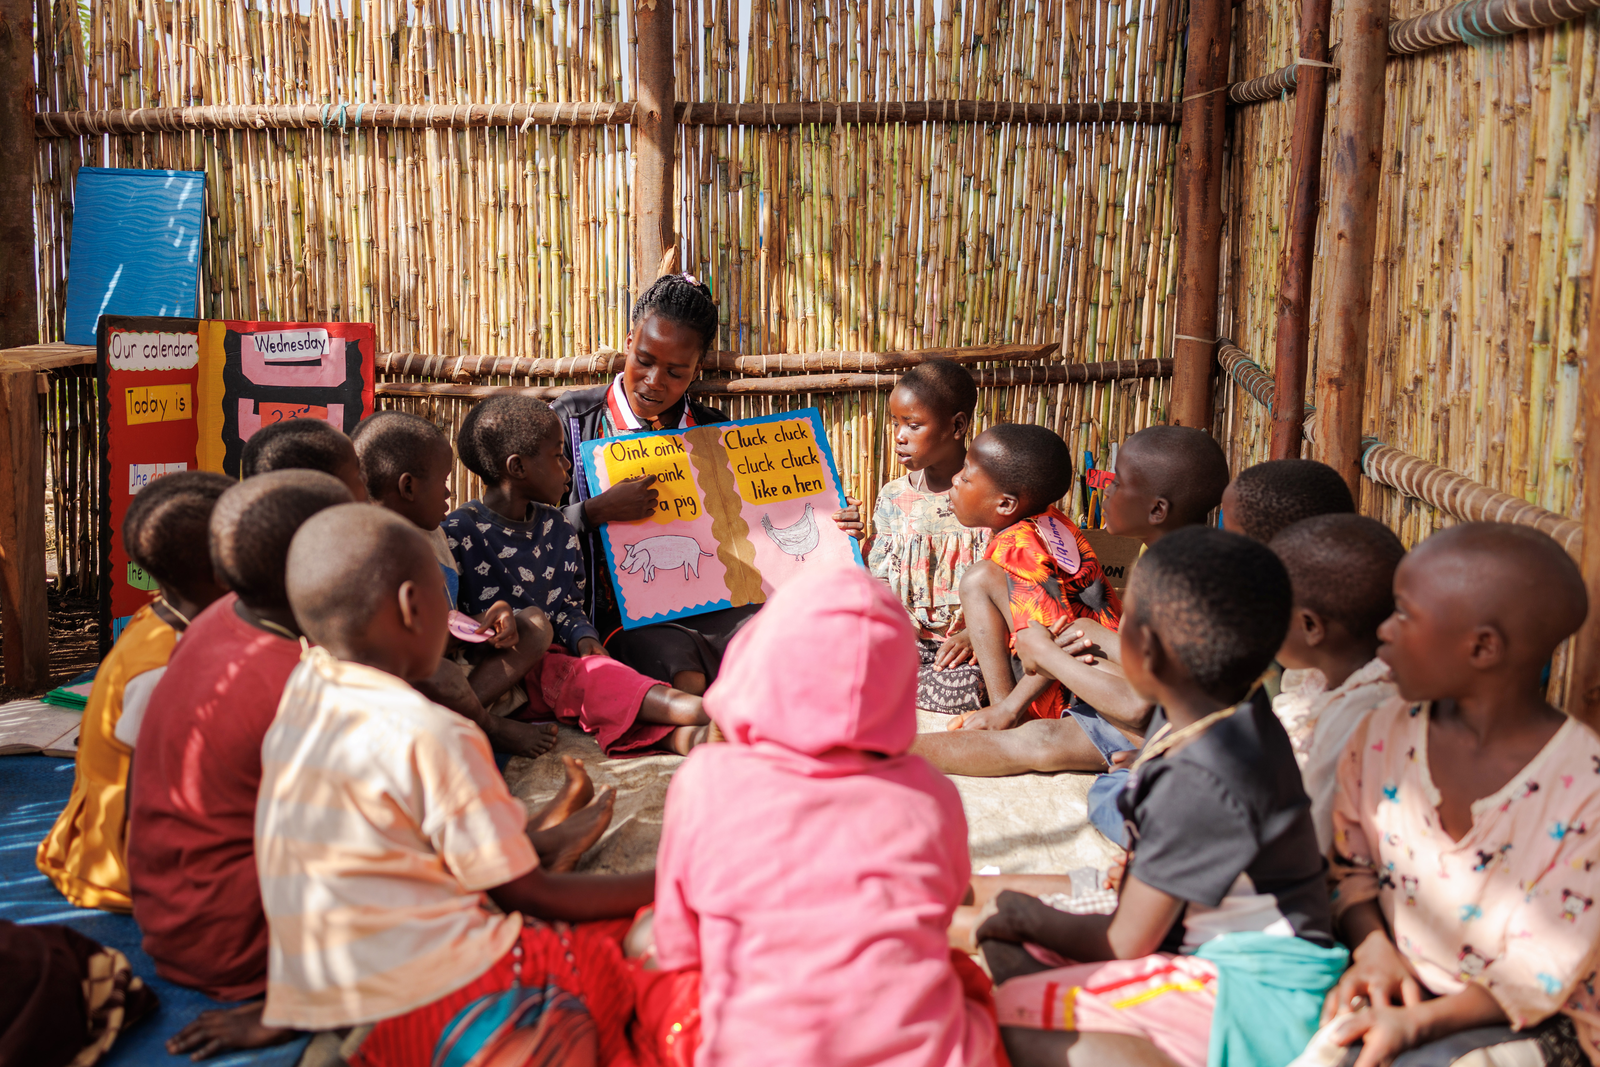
column 1033, row 824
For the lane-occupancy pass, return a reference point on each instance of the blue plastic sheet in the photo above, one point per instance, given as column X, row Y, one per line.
column 135, row 246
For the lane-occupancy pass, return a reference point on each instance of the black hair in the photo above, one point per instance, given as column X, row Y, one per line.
column 1219, row 603
column 1030, row 462
column 502, row 426
column 1185, row 465
column 942, row 384
column 168, row 522
column 680, row 299
column 346, row 561
column 254, row 522
column 392, row 443
column 1274, row 494
column 298, row 444
column 1342, row 568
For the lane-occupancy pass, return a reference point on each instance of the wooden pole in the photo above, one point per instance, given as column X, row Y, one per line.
column 1294, row 296
column 1355, row 166
column 1205, row 112
column 24, row 612
column 654, row 137
column 1583, row 685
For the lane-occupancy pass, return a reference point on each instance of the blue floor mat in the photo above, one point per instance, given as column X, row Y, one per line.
column 33, row 790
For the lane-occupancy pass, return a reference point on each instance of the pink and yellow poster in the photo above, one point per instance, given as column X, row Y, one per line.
column 742, row 507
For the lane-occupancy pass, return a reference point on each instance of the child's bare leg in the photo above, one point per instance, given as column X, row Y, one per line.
column 449, row 686
column 1008, row 960
column 685, row 738
column 986, row 604
column 226, row 1029
column 667, row 706
column 494, row 675
column 575, row 792
column 561, row 846
column 1043, row 745
column 1058, row 1048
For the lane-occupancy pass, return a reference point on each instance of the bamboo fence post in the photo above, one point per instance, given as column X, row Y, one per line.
column 1583, row 688
column 654, row 140
column 1356, row 158
column 1205, row 109
column 1305, row 163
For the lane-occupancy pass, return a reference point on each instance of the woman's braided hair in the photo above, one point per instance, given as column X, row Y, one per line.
column 683, row 299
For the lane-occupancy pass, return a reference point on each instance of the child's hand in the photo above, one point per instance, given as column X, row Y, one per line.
column 1119, row 760
column 849, row 519
column 500, row 621
column 1009, row 917
column 631, row 500
column 1378, row 974
column 588, row 646
column 956, row 650
column 1114, row 873
column 1384, row 1033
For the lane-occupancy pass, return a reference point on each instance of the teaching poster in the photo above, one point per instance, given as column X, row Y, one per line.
column 742, row 507
column 186, row 394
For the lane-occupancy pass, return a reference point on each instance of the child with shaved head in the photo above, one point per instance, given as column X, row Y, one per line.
column 306, row 445
column 1467, row 823
column 1342, row 571
column 1274, row 495
column 396, row 869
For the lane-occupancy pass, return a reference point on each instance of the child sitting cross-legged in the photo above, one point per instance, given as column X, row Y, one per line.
column 164, row 532
column 399, row 881
column 1272, row 496
column 406, row 461
column 516, row 545
column 1221, row 948
column 307, row 445
column 820, row 938
column 1467, row 825
column 1342, row 571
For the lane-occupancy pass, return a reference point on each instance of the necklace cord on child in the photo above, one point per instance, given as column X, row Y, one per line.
column 1166, row 738
column 164, row 604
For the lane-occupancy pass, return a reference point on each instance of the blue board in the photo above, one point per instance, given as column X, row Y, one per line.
column 135, row 246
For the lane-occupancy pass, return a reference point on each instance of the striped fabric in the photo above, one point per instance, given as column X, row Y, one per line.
column 381, row 823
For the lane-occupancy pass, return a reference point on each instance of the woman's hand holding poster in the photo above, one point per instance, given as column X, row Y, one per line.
column 741, row 507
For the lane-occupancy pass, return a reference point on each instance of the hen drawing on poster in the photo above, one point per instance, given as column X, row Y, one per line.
column 665, row 552
column 798, row 539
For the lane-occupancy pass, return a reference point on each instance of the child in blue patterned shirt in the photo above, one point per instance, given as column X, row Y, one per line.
column 516, row 545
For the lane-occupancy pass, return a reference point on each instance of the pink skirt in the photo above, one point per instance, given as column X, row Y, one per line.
column 1165, row 999
column 598, row 694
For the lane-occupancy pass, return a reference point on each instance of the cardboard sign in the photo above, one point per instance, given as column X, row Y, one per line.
column 1117, row 555
column 186, row 394
column 741, row 508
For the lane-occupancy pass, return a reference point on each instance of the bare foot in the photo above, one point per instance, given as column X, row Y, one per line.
column 575, row 792
column 714, row 735
column 685, row 738
column 561, row 846
column 515, row 738
column 227, row 1029
column 990, row 718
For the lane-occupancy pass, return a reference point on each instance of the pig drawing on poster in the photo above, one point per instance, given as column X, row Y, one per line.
column 741, row 508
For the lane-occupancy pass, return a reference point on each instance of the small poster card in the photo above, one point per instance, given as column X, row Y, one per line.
column 741, row 508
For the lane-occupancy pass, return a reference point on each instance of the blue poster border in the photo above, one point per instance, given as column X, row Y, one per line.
column 590, row 451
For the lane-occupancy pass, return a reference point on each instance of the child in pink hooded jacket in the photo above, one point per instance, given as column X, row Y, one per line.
column 810, row 866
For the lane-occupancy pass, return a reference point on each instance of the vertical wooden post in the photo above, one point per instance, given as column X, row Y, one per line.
column 654, row 141
column 1583, row 680
column 1294, row 297
column 1355, row 166
column 1205, row 114
column 24, row 612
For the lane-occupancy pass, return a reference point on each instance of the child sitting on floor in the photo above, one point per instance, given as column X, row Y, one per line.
column 516, row 545
column 1467, row 826
column 838, row 828
column 303, row 444
column 193, row 786
column 1220, row 949
column 918, row 545
column 399, row 880
column 1342, row 570
column 1270, row 496
column 85, row 853
column 406, row 461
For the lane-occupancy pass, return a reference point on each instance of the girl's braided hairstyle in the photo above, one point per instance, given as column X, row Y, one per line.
column 682, row 299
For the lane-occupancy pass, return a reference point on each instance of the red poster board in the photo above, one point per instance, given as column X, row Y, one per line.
column 186, row 394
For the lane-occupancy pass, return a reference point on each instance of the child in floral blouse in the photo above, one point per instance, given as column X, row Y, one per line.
column 918, row 546
column 1467, row 825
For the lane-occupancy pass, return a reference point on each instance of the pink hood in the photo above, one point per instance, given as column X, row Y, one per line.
column 830, row 663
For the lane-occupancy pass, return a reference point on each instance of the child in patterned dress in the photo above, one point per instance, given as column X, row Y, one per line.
column 918, row 545
column 1467, row 824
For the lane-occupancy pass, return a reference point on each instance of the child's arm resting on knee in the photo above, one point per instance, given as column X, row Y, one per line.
column 1143, row 917
column 576, row 897
column 1103, row 688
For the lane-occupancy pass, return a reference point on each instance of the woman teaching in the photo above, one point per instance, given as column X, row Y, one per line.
column 674, row 325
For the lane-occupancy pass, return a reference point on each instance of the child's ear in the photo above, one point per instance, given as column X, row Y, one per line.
column 1313, row 628
column 1160, row 510
column 960, row 424
column 1488, row 648
column 406, row 596
column 516, row 467
column 407, row 487
column 1007, row 506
